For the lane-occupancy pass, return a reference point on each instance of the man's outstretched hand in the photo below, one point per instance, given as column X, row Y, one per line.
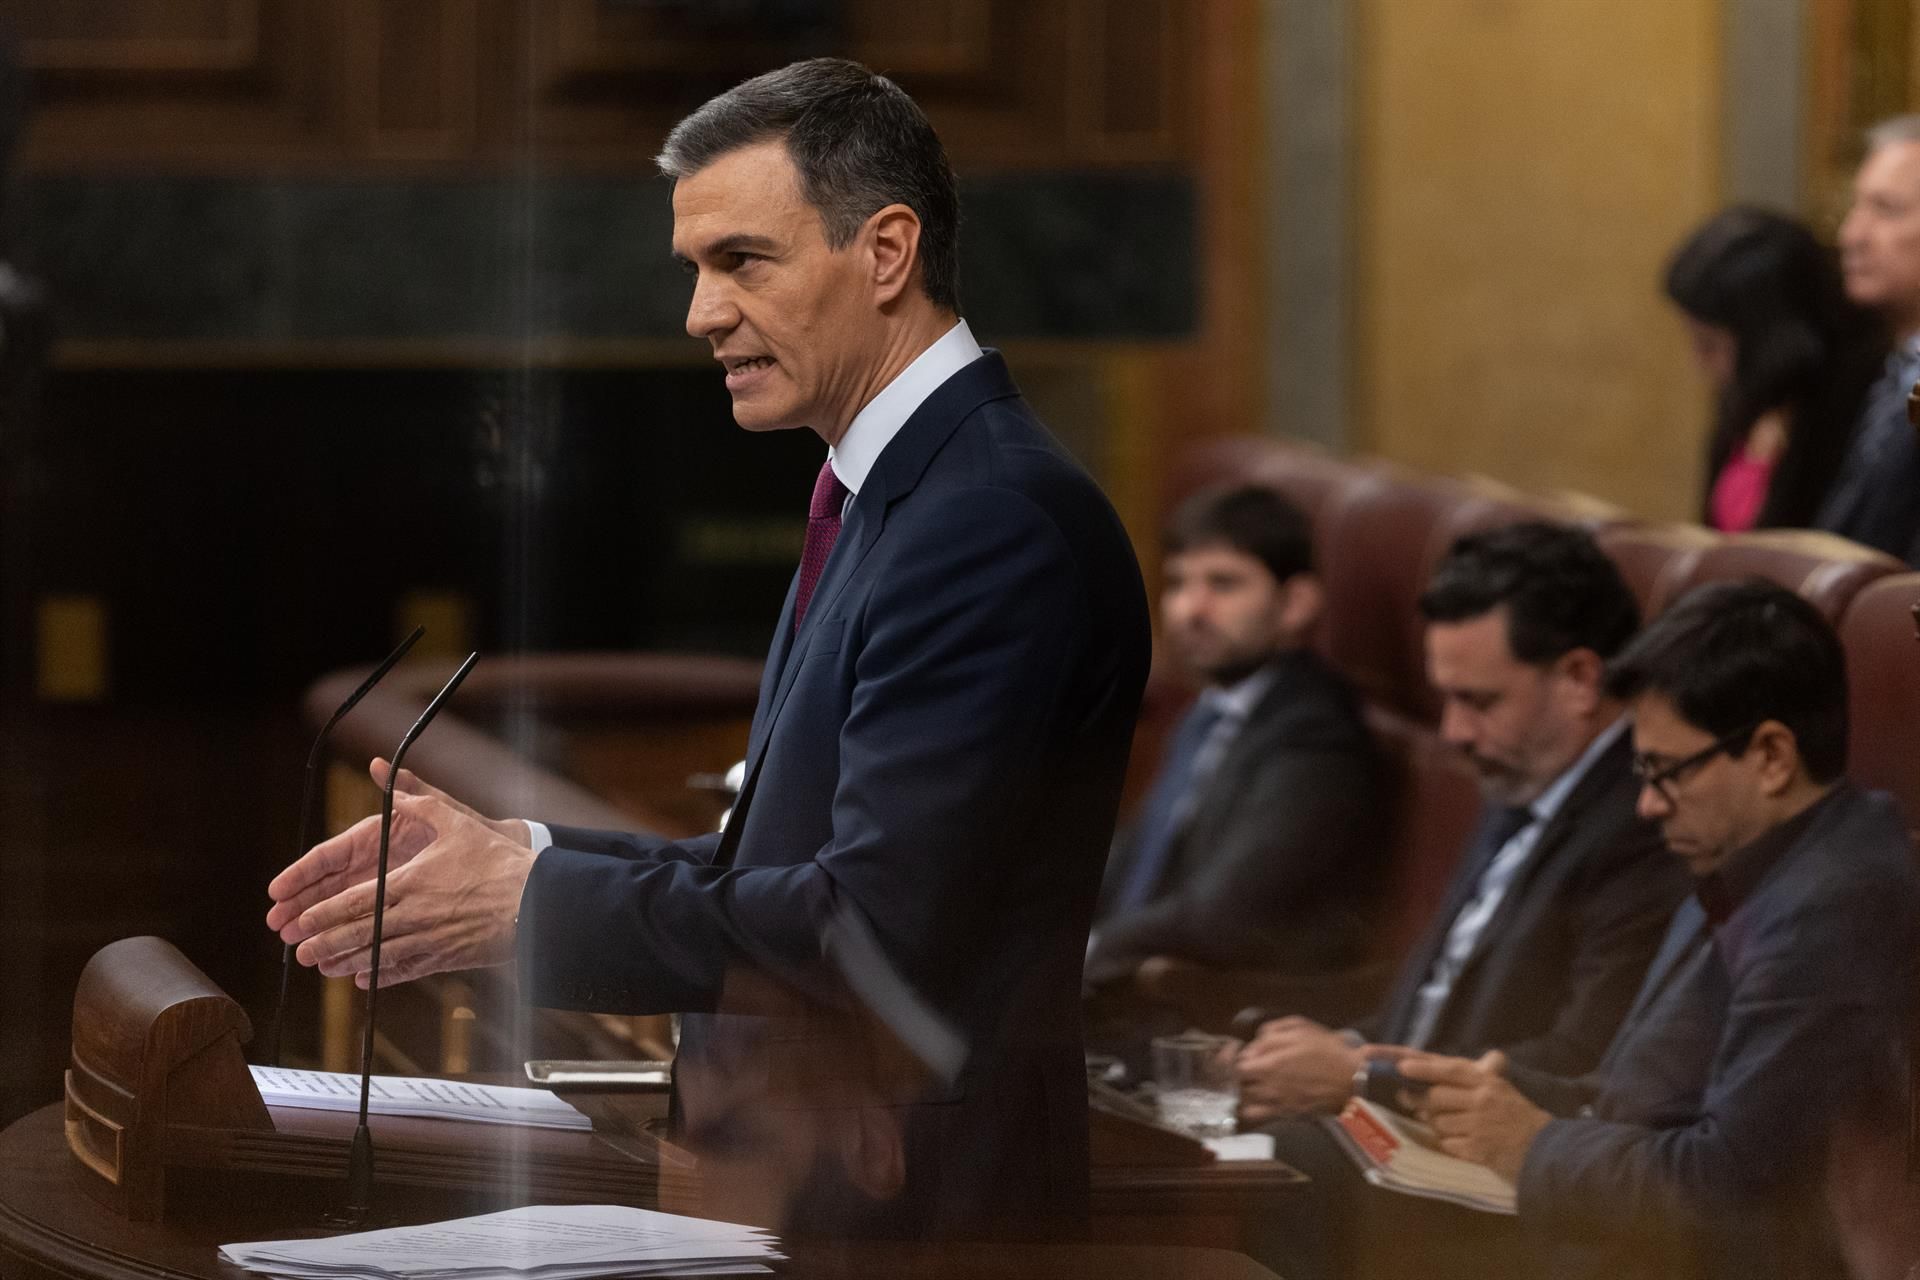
column 454, row 880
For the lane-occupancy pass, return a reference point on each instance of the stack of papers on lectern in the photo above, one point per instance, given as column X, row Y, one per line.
column 541, row 1242
column 417, row 1096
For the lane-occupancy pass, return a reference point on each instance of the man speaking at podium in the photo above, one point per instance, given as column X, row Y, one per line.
column 942, row 726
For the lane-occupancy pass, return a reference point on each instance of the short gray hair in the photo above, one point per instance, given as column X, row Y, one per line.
column 859, row 143
column 1894, row 129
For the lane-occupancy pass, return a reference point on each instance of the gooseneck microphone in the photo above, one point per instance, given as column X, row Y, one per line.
column 360, row 1158
column 303, row 834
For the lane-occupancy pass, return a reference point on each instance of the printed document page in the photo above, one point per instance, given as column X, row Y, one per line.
column 552, row 1242
column 417, row 1096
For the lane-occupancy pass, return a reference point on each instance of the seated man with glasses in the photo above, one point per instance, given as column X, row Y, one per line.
column 1556, row 907
column 1776, row 1010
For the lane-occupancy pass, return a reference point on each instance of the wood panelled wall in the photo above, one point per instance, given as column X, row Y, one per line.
column 574, row 85
column 442, row 90
column 1863, row 66
column 218, row 570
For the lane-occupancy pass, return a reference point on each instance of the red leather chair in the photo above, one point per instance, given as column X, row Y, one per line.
column 1656, row 559
column 1883, row 686
column 1382, row 538
column 1826, row 570
column 1493, row 503
column 1311, row 477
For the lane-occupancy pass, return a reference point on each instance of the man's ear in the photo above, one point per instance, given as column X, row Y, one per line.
column 1777, row 752
column 1303, row 602
column 894, row 233
column 1584, row 671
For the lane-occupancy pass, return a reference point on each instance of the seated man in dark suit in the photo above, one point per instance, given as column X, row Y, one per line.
column 1557, row 907
column 1777, row 1007
column 1875, row 497
column 1260, row 843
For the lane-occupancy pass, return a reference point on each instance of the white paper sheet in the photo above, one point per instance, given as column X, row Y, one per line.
column 550, row 1242
column 1242, row 1146
column 417, row 1096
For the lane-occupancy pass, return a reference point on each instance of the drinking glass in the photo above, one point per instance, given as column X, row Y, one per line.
column 1198, row 1092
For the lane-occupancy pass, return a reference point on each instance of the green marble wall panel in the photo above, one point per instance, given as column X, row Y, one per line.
column 1081, row 256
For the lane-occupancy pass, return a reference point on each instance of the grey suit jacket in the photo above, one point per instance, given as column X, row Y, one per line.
column 1703, row 1146
column 1285, row 853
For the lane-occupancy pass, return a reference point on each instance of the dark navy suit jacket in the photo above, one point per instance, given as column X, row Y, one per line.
column 1284, row 858
column 1556, row 967
column 940, row 748
column 1703, row 1143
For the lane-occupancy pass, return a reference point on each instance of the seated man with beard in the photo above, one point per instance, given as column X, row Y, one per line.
column 1777, row 1008
column 1558, row 904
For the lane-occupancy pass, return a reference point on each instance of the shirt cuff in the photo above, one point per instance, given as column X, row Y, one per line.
column 538, row 835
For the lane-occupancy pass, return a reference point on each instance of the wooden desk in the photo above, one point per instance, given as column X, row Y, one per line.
column 50, row 1229
column 1207, row 1206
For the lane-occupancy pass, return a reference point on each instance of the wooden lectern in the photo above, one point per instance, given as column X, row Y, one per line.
column 156, row 1045
column 157, row 1085
column 163, row 1125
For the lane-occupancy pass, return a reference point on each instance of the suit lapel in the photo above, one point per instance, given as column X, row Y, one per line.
column 770, row 675
column 784, row 661
column 857, row 537
column 1273, row 725
column 1414, row 973
column 1459, row 892
column 1684, row 931
column 1565, row 826
column 1258, row 737
column 1562, row 827
column 895, row 474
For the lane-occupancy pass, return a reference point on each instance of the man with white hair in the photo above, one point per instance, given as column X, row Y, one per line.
column 1876, row 497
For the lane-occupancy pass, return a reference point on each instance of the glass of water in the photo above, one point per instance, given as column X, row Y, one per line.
column 1197, row 1091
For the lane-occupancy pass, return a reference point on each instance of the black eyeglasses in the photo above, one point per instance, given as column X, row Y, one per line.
column 1661, row 777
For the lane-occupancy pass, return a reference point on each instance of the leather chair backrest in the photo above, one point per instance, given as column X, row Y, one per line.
column 1656, row 559
column 1883, row 688
column 1383, row 537
column 1494, row 503
column 1311, row 477
column 1825, row 570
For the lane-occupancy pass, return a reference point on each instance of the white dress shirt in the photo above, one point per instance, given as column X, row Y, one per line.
column 1464, row 934
column 1233, row 703
column 875, row 426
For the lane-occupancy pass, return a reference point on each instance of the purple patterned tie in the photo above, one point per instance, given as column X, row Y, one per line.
column 823, row 529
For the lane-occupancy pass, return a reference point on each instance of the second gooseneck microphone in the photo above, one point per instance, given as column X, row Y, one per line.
column 360, row 1158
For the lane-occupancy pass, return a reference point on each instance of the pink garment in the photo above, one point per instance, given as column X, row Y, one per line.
column 1739, row 492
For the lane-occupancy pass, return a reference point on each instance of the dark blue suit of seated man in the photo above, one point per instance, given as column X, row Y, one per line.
column 1770, row 1031
column 1261, row 843
column 936, row 754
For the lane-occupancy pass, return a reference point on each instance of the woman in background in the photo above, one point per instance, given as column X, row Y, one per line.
column 1790, row 358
